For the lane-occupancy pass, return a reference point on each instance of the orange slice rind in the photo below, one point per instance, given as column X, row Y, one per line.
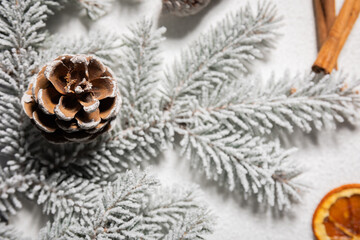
column 337, row 216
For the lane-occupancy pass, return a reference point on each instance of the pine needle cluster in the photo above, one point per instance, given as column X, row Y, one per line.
column 220, row 119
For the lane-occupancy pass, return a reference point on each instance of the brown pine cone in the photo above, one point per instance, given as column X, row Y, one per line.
column 183, row 8
column 73, row 99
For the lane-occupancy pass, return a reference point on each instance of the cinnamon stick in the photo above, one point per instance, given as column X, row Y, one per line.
column 338, row 34
column 330, row 12
column 353, row 17
column 330, row 16
column 321, row 24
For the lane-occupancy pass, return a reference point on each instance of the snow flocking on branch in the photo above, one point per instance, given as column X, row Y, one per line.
column 96, row 8
column 223, row 119
column 225, row 50
column 9, row 232
column 56, row 176
column 226, row 118
column 305, row 102
column 133, row 206
column 232, row 156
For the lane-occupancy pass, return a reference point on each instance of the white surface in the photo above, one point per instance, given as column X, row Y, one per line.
column 331, row 157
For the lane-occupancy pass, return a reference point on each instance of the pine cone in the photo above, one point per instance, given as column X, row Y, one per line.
column 73, row 99
column 183, row 8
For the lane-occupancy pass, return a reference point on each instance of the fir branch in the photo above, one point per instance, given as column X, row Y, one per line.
column 53, row 5
column 95, row 8
column 133, row 207
column 58, row 193
column 139, row 69
column 170, row 207
column 10, row 186
column 15, row 73
column 111, row 153
column 116, row 214
column 56, row 229
column 143, row 128
column 194, row 227
column 306, row 102
column 8, row 232
column 22, row 23
column 222, row 53
column 63, row 195
column 16, row 69
column 243, row 163
column 104, row 45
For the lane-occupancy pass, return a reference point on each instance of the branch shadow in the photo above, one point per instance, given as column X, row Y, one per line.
column 249, row 203
column 296, row 138
column 130, row 3
column 178, row 27
column 69, row 13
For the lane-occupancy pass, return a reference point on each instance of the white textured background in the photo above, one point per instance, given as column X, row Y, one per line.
column 332, row 158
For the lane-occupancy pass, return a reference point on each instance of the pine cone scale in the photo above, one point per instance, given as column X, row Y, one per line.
column 103, row 87
column 67, row 108
column 56, row 73
column 73, row 98
column 88, row 120
column 89, row 103
column 98, row 128
column 28, row 103
column 44, row 121
column 67, row 126
column 108, row 106
column 96, row 70
column 40, row 83
column 48, row 99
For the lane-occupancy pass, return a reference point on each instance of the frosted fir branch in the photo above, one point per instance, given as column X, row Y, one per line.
column 143, row 142
column 139, row 71
column 23, row 31
column 16, row 69
column 117, row 213
column 63, row 195
column 8, row 232
column 10, row 186
column 53, row 5
column 305, row 102
column 95, row 8
column 104, row 45
column 117, row 151
column 17, row 140
column 134, row 206
column 114, row 152
column 22, row 23
column 242, row 163
column 169, row 208
column 194, row 227
column 59, row 193
column 223, row 53
column 56, row 229
column 143, row 129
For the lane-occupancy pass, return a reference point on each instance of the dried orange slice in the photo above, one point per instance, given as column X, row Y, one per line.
column 338, row 215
